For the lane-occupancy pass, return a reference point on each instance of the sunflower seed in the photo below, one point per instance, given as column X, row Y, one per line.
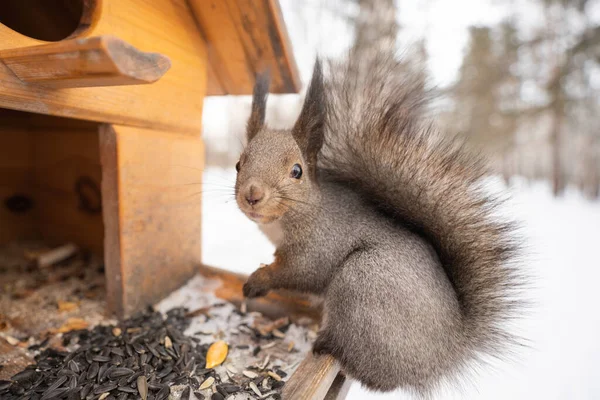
column 139, row 348
column 119, row 372
column 142, row 386
column 93, row 370
column 23, row 375
column 163, row 393
column 55, row 394
column 100, row 358
column 277, row 385
column 127, row 389
column 105, row 388
column 217, row 396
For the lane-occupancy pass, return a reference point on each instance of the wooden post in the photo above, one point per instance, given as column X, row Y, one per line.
column 151, row 206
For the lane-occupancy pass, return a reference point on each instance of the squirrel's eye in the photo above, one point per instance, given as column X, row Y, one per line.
column 237, row 166
column 296, row 171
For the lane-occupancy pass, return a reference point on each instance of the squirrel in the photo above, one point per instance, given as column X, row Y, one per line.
column 384, row 217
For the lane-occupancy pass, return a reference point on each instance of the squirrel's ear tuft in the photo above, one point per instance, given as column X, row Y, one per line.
column 309, row 130
column 259, row 105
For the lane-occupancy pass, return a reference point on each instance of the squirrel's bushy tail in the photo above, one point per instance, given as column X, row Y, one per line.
column 378, row 141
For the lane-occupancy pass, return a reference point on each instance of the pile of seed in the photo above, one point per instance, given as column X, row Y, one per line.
column 143, row 357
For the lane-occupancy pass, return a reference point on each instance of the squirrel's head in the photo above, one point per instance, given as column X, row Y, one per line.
column 277, row 169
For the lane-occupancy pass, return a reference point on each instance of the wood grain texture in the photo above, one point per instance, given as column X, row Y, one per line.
column 313, row 378
column 63, row 157
column 173, row 103
column 246, row 37
column 151, row 212
column 339, row 388
column 86, row 62
column 16, row 161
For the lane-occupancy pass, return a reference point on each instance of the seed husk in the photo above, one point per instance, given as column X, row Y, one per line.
column 254, row 388
column 168, row 342
column 207, row 383
column 103, row 396
column 142, row 386
column 274, row 375
column 278, row 334
column 250, row 374
column 231, row 369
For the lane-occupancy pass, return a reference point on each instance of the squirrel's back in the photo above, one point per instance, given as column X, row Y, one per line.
column 379, row 143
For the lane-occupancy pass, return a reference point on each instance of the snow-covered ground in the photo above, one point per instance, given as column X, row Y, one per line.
column 563, row 361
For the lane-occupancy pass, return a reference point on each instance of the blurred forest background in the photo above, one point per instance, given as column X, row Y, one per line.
column 526, row 92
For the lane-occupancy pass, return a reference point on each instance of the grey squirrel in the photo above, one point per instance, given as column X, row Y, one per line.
column 381, row 215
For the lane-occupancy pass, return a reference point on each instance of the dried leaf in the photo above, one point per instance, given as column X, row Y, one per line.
column 72, row 324
column 65, row 306
column 217, row 353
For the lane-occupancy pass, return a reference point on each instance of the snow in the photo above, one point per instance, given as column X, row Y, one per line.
column 562, row 328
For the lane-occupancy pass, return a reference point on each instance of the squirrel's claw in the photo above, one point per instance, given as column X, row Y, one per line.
column 323, row 345
column 251, row 290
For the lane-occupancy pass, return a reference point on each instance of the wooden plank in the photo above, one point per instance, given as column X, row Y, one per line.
column 87, row 62
column 152, row 218
column 313, row 378
column 162, row 26
column 15, row 180
column 339, row 388
column 246, row 37
column 66, row 182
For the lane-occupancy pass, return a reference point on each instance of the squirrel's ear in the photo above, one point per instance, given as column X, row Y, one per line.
column 259, row 105
column 309, row 130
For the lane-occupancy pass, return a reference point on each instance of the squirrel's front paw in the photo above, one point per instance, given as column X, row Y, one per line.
column 256, row 286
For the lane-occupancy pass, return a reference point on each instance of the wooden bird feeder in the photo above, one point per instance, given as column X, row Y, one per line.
column 100, row 120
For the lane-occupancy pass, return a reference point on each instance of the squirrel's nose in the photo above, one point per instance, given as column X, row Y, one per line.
column 254, row 196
